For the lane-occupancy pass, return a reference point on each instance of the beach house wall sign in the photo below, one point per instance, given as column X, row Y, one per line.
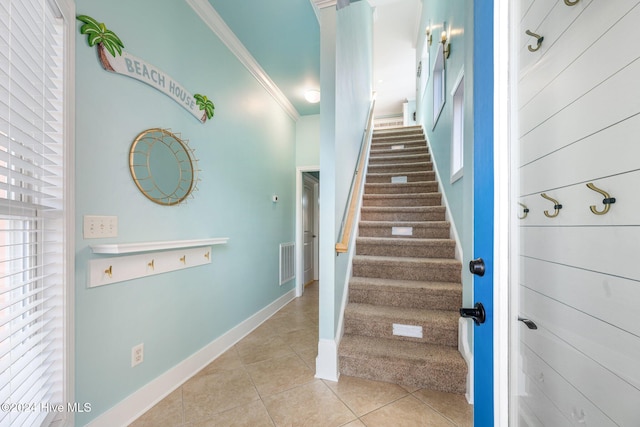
column 113, row 58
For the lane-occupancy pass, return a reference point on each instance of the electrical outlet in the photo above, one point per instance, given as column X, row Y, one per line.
column 137, row 355
column 96, row 227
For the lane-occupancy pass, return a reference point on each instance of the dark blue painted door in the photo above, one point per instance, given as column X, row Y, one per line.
column 483, row 208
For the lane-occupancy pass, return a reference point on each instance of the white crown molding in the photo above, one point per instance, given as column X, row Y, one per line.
column 208, row 14
column 321, row 4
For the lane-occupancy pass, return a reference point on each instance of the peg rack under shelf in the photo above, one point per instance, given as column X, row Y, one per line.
column 147, row 259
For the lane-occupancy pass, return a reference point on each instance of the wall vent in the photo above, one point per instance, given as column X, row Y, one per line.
column 287, row 262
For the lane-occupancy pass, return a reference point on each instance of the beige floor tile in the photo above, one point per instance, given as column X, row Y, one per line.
column 206, row 395
column 406, row 412
column 356, row 423
column 292, row 322
column 227, row 361
column 257, row 348
column 168, row 412
column 452, row 406
column 301, row 339
column 363, row 396
column 253, row 414
column 278, row 374
column 310, row 405
column 308, row 356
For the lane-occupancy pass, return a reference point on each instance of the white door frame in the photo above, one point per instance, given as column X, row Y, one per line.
column 299, row 222
column 502, row 212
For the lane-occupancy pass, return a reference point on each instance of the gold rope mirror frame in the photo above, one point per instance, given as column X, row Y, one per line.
column 163, row 166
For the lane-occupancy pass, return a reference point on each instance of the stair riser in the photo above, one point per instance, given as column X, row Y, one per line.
column 401, row 271
column 400, row 168
column 427, row 300
column 405, row 188
column 430, row 200
column 399, row 158
column 440, row 378
column 411, row 177
column 417, row 232
column 367, row 215
column 415, row 251
column 388, row 151
column 387, row 147
column 397, row 139
column 381, row 328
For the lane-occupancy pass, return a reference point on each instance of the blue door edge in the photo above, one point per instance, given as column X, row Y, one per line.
column 483, row 207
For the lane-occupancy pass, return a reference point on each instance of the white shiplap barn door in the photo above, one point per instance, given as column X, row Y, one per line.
column 578, row 119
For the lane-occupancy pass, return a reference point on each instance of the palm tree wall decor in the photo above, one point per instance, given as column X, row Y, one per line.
column 98, row 34
column 114, row 59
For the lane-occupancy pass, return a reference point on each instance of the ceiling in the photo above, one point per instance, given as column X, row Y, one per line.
column 283, row 36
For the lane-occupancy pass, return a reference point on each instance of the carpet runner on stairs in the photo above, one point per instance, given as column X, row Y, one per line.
column 401, row 321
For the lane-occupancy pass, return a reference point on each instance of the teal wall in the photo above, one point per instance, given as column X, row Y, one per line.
column 308, row 141
column 246, row 154
column 346, row 73
column 354, row 75
column 458, row 16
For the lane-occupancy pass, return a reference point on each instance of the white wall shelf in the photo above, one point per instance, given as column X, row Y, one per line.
column 128, row 248
column 147, row 259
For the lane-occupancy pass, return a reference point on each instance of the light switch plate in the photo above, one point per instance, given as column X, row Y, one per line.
column 97, row 227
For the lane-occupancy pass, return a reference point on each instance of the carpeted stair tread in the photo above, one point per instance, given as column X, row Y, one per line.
column 401, row 188
column 406, row 247
column 447, row 319
column 397, row 139
column 405, row 268
column 399, row 158
column 438, row 326
column 390, row 260
column 412, row 176
column 405, row 293
column 403, row 362
column 406, row 229
column 406, row 149
column 407, row 286
column 399, row 167
column 407, row 213
column 389, row 145
column 370, row 347
column 410, row 199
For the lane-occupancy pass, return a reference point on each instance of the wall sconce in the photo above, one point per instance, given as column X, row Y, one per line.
column 446, row 45
column 429, row 35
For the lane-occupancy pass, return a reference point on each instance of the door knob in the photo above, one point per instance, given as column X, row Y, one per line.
column 477, row 267
column 476, row 313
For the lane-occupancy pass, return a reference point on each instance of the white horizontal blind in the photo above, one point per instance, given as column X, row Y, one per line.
column 31, row 211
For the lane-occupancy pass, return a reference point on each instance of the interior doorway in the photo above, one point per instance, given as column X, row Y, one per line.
column 307, row 226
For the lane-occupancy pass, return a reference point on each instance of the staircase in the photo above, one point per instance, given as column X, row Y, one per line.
column 404, row 273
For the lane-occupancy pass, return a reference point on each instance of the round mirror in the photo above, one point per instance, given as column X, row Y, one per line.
column 162, row 166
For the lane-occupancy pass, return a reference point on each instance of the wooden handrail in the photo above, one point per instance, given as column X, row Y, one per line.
column 356, row 188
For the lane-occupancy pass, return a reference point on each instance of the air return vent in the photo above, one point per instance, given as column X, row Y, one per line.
column 287, row 262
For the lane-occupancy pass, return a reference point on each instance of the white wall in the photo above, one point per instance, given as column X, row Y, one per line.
column 577, row 109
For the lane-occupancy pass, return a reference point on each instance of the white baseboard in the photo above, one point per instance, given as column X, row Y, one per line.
column 327, row 360
column 465, row 331
column 143, row 399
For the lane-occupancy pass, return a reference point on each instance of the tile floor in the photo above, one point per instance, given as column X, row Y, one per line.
column 267, row 379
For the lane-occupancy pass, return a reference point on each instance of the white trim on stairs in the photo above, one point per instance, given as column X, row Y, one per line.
column 143, row 399
column 208, row 14
column 465, row 329
column 327, row 360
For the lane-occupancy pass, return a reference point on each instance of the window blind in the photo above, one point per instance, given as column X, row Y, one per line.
column 31, row 212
